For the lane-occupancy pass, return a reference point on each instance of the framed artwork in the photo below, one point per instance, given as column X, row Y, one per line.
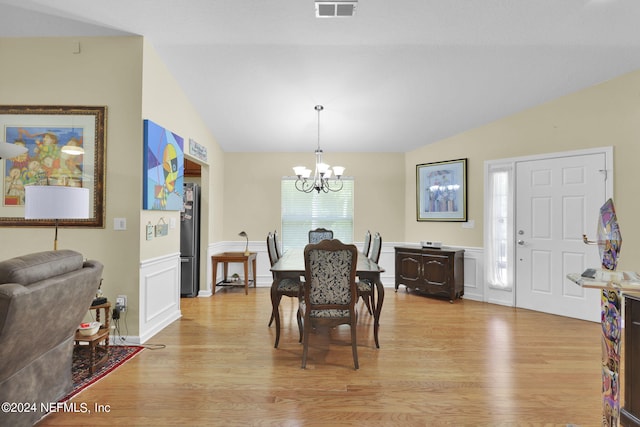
column 65, row 146
column 163, row 168
column 441, row 191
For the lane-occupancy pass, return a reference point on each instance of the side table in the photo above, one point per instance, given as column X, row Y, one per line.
column 225, row 258
column 97, row 344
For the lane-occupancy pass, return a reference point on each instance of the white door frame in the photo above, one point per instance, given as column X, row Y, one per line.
column 507, row 297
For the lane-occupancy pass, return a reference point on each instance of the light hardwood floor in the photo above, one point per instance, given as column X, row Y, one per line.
column 467, row 363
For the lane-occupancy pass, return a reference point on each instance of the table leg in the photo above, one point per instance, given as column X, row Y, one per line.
column 378, row 299
column 253, row 267
column 275, row 303
column 92, row 357
column 378, row 309
column 246, row 277
column 225, row 269
column 214, row 272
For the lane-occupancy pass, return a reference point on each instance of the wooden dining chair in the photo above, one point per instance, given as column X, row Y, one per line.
column 365, row 287
column 367, row 243
column 330, row 291
column 319, row 234
column 277, row 244
column 282, row 286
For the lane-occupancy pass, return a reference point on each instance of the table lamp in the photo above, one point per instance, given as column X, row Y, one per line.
column 9, row 151
column 56, row 202
column 246, row 248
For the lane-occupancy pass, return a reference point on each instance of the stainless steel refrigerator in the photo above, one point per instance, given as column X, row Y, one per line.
column 190, row 241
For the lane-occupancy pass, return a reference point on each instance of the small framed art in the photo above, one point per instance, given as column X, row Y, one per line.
column 441, row 191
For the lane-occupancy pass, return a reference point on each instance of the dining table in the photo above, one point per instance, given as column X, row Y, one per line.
column 291, row 265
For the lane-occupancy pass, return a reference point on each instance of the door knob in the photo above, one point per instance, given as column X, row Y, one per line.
column 521, row 242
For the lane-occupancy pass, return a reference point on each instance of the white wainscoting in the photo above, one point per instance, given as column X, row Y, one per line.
column 473, row 266
column 473, row 273
column 159, row 295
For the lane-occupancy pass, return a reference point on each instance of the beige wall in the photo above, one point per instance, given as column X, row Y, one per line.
column 604, row 115
column 164, row 103
column 109, row 72
column 252, row 191
column 106, row 72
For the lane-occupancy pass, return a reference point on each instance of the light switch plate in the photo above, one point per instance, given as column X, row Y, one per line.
column 119, row 223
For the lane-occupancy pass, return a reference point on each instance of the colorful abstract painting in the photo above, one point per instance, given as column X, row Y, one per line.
column 45, row 163
column 163, row 168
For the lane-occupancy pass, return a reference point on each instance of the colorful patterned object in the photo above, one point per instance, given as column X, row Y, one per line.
column 609, row 238
column 609, row 243
column 611, row 340
column 118, row 354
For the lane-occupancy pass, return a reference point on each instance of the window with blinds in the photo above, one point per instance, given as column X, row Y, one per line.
column 301, row 212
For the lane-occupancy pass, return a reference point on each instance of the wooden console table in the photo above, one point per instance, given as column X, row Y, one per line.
column 225, row 258
column 434, row 272
column 97, row 344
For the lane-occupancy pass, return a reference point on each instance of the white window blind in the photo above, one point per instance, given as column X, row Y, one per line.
column 301, row 212
column 498, row 262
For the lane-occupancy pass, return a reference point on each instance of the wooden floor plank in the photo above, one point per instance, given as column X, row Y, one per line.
column 467, row 363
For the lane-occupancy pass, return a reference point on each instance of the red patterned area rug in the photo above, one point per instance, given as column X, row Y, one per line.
column 118, row 355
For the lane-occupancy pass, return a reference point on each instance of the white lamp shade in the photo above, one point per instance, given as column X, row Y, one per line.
column 55, row 202
column 299, row 170
column 338, row 170
column 9, row 151
column 322, row 167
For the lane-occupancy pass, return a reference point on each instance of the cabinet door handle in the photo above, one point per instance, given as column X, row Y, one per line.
column 636, row 323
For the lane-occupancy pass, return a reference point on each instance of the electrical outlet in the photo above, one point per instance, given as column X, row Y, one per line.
column 121, row 302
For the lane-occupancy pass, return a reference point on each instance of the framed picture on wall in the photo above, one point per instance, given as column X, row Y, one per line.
column 65, row 147
column 441, row 191
column 163, row 168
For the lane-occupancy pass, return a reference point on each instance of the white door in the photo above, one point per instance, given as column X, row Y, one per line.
column 557, row 201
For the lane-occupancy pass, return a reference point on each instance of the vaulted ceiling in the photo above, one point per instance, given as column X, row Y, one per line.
column 398, row 75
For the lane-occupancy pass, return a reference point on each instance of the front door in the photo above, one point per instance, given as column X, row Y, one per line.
column 557, row 201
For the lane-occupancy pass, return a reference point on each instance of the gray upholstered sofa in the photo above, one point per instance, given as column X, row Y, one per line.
column 43, row 298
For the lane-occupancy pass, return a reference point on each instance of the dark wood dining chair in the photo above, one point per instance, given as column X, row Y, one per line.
column 282, row 286
column 277, row 244
column 367, row 243
column 365, row 287
column 330, row 291
column 319, row 234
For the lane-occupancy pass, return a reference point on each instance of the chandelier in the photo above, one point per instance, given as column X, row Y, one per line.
column 321, row 180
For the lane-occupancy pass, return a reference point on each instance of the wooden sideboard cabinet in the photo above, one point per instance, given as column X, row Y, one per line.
column 630, row 413
column 435, row 272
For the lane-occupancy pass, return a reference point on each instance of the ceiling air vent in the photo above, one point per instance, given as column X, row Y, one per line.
column 336, row 9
